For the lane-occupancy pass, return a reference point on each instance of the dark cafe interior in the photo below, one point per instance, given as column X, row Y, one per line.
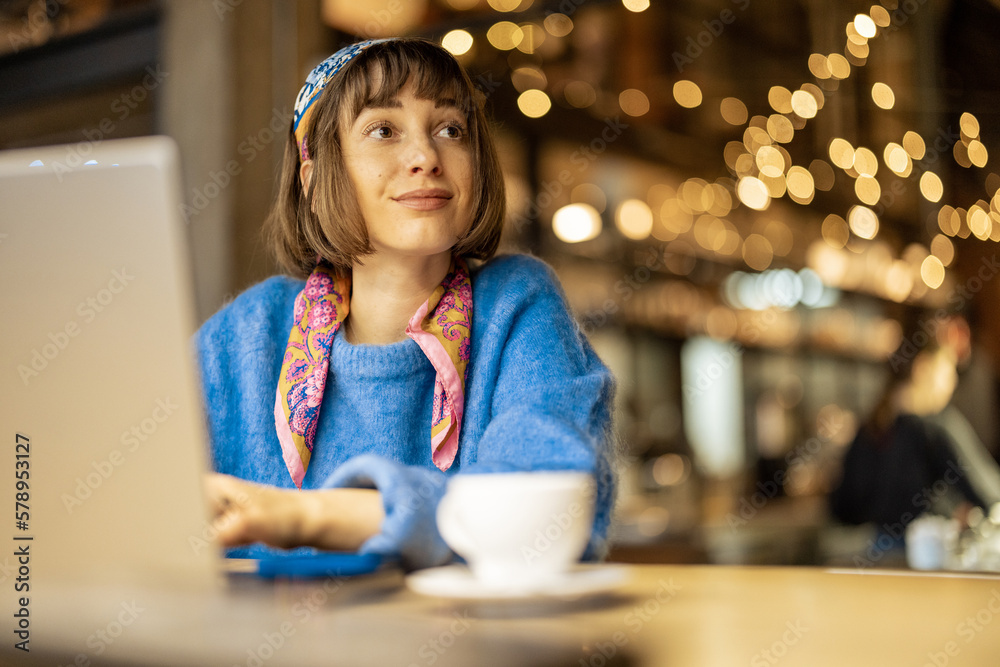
column 768, row 238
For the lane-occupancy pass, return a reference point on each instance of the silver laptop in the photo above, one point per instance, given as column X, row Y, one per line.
column 101, row 420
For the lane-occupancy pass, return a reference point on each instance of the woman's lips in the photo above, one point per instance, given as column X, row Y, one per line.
column 424, row 200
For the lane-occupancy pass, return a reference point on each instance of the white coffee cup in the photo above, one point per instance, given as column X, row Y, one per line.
column 518, row 529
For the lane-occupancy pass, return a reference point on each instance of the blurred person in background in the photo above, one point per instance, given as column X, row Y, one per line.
column 904, row 461
column 968, row 447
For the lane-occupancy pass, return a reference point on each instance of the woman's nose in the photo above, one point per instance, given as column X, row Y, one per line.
column 423, row 157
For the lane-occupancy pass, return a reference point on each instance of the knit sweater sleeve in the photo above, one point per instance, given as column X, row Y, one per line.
column 546, row 397
column 552, row 398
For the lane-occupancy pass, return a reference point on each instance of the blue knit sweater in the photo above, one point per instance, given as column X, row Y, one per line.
column 537, row 398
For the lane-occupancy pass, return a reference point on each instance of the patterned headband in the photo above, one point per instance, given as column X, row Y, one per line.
column 313, row 88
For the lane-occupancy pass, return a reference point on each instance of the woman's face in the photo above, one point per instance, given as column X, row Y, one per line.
column 411, row 164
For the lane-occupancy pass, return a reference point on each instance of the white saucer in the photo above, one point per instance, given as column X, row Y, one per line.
column 456, row 581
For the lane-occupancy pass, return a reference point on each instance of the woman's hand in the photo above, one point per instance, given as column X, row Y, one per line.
column 331, row 519
column 243, row 512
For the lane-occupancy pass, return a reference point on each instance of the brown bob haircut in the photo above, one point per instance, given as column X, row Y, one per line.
column 327, row 223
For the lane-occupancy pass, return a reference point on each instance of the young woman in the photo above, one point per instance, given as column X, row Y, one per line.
column 341, row 399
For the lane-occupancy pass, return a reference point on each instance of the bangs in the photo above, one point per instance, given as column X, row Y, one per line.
column 380, row 73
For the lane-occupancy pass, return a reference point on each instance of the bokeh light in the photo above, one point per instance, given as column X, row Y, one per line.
column 932, row 272
column 504, row 35
column 842, row 153
column 576, row 223
column 457, row 42
column 505, row 5
column 633, row 102
column 528, row 77
column 634, row 219
column 804, row 104
column 733, row 111
column 863, row 222
column 580, row 94
column 914, row 145
column 883, row 96
column 636, row 5
column 534, row 103
column 931, row 187
column 558, row 25
column 532, row 37
column 687, row 93
column 780, row 99
column 753, row 193
column 864, row 25
column 588, row 193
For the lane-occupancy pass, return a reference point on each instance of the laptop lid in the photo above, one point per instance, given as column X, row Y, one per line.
column 101, row 419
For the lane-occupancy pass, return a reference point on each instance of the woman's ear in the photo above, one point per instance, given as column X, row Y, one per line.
column 305, row 176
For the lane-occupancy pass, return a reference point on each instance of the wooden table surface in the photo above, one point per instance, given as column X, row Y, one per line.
column 663, row 615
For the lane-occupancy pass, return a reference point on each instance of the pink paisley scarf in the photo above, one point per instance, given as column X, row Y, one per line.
column 441, row 327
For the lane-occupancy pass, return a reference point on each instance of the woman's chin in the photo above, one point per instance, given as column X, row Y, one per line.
column 415, row 249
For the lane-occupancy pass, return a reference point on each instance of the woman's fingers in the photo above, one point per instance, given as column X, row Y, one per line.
column 231, row 501
column 243, row 512
column 224, row 491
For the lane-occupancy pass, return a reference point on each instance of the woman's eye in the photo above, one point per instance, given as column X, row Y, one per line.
column 453, row 131
column 379, row 131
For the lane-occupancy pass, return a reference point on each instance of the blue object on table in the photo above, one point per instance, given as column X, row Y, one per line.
column 319, row 565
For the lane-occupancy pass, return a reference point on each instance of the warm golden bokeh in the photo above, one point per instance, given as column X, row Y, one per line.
column 687, row 93
column 842, row 153
column 733, row 111
column 634, row 219
column 931, row 187
column 753, row 193
column 780, row 99
column 504, row 35
column 863, row 222
column 633, row 102
column 558, row 25
column 457, row 42
column 914, row 145
column 534, row 103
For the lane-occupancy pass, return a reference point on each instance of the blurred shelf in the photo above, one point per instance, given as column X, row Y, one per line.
column 125, row 43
